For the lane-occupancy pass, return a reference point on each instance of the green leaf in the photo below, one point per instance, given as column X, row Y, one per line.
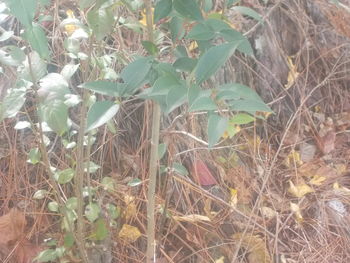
column 68, row 240
column 217, row 125
column 188, row 9
column 212, row 60
column 55, row 114
column 72, row 203
column 150, row 47
column 38, row 67
column 249, row 106
column 241, row 118
column 12, row 56
column 108, row 183
column 101, row 21
column 208, row 5
column 53, row 206
column 100, row 113
column 86, row 3
column 92, row 212
column 216, row 25
column 36, row 37
column 177, row 30
column 175, row 97
column 113, row 211
column 93, row 167
column 161, row 150
column 23, row 10
column 53, row 87
column 12, row 103
column 201, row 32
column 40, row 194
column 185, row 64
column 103, row 87
column 134, row 182
column 65, row 176
column 200, row 100
column 162, row 9
column 237, row 91
column 47, row 255
column 180, row 169
column 247, row 11
column 101, row 231
column 135, row 74
column 234, row 36
column 68, row 71
column 34, row 156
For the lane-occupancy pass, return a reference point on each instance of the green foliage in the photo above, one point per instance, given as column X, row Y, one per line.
column 100, row 113
column 216, row 127
column 162, row 9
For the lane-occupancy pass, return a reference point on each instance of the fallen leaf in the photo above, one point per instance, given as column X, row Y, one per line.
column 202, row 174
column 307, row 152
column 192, row 218
column 255, row 246
column 220, row 260
column 293, row 73
column 299, row 190
column 293, row 159
column 129, row 233
column 131, row 209
column 268, row 212
column 328, row 142
column 317, row 180
column 234, row 197
column 296, row 210
column 11, row 226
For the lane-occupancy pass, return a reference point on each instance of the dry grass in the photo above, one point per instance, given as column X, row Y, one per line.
column 260, row 226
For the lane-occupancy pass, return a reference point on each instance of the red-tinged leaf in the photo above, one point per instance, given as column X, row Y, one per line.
column 202, row 174
column 327, row 142
column 11, row 227
column 26, row 252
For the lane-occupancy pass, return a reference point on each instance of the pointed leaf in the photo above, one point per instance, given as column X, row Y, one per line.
column 23, row 10
column 188, row 9
column 101, row 21
column 92, row 212
column 100, row 113
column 65, row 176
column 36, row 37
column 162, row 9
column 247, row 11
column 55, row 114
column 103, row 87
column 217, row 125
column 134, row 75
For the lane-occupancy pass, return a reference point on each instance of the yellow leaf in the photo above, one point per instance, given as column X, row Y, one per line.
column 317, row 180
column 220, row 260
column 255, row 246
column 69, row 29
column 143, row 19
column 234, row 197
column 296, row 210
column 193, row 46
column 268, row 212
column 129, row 233
column 293, row 158
column 131, row 209
column 299, row 190
column 192, row 218
column 293, row 73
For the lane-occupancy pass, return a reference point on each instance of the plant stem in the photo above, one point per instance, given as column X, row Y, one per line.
column 153, row 163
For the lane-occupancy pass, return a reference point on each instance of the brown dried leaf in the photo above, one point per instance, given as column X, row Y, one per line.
column 11, row 226
column 26, row 252
column 255, row 246
column 129, row 233
column 327, row 142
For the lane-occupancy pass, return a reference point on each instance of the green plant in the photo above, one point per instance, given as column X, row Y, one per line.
column 180, row 80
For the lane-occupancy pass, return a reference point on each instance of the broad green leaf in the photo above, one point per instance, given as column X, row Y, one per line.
column 68, row 240
column 135, row 74
column 217, row 125
column 68, row 71
column 93, row 167
column 103, row 87
column 188, row 9
column 44, row 3
column 34, row 156
column 180, row 169
column 237, row 91
column 40, row 194
column 100, row 231
column 101, row 21
column 234, row 36
column 12, row 103
column 36, row 37
column 212, row 60
column 86, row 3
column 23, row 10
column 177, row 30
column 65, row 176
column 150, row 47
column 241, row 118
column 176, row 97
column 185, row 64
column 72, row 203
column 247, row 11
column 53, row 87
column 249, row 106
column 208, row 5
column 46, row 255
column 72, row 45
column 12, row 56
column 161, row 150
column 69, row 219
column 6, row 35
column 200, row 100
column 107, row 183
column 201, row 32
column 92, row 212
column 162, row 9
column 53, row 206
column 38, row 66
column 99, row 113
column 216, row 24
column 55, row 114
